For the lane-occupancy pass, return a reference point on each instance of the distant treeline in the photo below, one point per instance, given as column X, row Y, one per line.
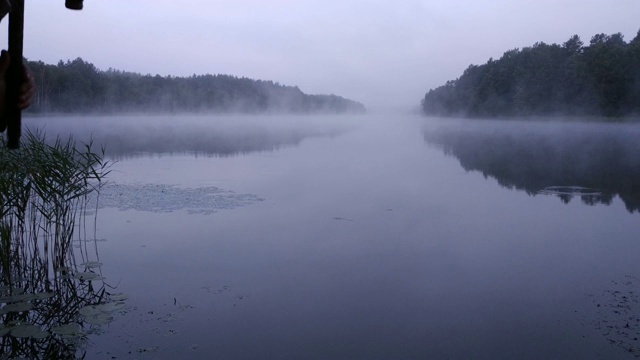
column 79, row 87
column 601, row 79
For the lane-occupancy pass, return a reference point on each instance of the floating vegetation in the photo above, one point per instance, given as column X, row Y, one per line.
column 86, row 275
column 4, row 330
column 111, row 306
column 89, row 310
column 119, row 297
column 52, row 292
column 618, row 315
column 151, row 349
column 17, row 298
column 168, row 198
column 40, row 335
column 27, row 330
column 71, row 329
column 18, row 307
column 99, row 319
column 44, row 295
column 91, row 264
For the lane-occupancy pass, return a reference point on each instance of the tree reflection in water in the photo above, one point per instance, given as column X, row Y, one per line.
column 595, row 162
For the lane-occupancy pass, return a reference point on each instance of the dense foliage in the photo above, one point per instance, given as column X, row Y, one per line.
column 600, row 79
column 78, row 86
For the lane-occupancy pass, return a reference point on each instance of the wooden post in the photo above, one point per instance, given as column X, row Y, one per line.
column 15, row 74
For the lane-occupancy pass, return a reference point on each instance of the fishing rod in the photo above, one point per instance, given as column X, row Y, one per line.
column 15, row 73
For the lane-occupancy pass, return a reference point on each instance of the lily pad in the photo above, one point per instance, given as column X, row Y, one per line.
column 91, row 264
column 25, row 331
column 86, row 275
column 17, row 298
column 67, row 329
column 90, row 310
column 110, row 307
column 119, row 297
column 18, row 307
column 44, row 295
column 40, row 335
column 4, row 330
column 168, row 198
column 100, row 319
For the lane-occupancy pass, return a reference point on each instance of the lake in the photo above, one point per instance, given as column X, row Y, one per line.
column 366, row 237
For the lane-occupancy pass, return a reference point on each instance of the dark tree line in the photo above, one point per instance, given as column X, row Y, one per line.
column 599, row 79
column 79, row 87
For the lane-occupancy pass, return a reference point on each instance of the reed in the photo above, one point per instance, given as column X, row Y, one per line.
column 45, row 190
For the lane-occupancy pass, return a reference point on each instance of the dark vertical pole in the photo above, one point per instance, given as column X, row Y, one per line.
column 73, row 4
column 15, row 74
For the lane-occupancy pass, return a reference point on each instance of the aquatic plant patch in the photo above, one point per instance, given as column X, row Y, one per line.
column 618, row 314
column 168, row 198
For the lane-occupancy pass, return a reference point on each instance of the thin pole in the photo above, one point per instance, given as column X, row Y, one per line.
column 15, row 74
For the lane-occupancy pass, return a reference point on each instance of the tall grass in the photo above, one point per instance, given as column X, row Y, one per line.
column 44, row 199
column 43, row 195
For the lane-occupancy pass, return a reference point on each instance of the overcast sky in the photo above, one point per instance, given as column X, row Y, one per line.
column 384, row 53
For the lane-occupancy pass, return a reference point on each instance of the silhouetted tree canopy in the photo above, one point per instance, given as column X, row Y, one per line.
column 599, row 79
column 78, row 86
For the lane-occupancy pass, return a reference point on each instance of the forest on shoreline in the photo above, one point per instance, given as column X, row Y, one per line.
column 77, row 86
column 598, row 79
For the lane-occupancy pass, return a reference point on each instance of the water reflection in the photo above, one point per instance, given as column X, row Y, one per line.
column 594, row 162
column 53, row 302
column 136, row 136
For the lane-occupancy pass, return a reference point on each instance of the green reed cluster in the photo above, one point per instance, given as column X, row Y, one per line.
column 44, row 200
column 44, row 188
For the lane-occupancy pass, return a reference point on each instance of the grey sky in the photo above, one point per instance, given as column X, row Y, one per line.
column 384, row 53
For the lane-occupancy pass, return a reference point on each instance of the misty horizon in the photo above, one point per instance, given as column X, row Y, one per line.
column 380, row 53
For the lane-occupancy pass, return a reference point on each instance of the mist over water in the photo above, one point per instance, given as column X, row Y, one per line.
column 209, row 135
column 373, row 237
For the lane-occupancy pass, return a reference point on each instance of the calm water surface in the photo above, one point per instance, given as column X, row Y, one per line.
column 370, row 237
